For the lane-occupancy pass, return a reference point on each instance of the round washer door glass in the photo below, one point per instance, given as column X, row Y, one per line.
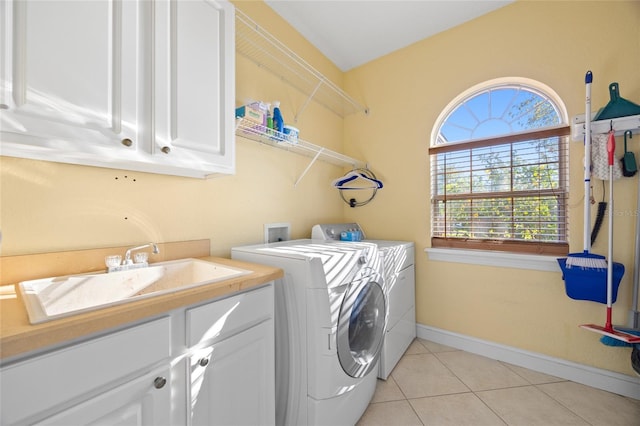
column 361, row 327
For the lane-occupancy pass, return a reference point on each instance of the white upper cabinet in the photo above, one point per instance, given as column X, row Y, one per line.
column 195, row 81
column 136, row 85
column 68, row 78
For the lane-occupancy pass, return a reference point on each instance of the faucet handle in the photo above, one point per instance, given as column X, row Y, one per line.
column 113, row 260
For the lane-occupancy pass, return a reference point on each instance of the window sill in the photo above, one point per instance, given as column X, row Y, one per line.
column 495, row 258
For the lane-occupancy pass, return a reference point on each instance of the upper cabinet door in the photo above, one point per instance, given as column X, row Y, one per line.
column 194, row 95
column 69, row 74
column 136, row 85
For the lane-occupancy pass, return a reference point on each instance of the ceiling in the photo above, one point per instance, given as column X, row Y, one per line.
column 353, row 32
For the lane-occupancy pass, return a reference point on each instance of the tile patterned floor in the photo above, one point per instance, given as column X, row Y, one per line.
column 438, row 385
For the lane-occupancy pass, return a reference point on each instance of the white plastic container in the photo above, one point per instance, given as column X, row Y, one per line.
column 291, row 133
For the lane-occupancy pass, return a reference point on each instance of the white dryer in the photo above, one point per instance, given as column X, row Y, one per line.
column 330, row 324
column 399, row 286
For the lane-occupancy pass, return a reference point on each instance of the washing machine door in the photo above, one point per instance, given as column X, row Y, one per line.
column 361, row 326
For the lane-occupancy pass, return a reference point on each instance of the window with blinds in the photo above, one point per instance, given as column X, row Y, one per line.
column 499, row 173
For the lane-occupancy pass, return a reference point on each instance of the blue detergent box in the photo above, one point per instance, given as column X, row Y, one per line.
column 250, row 113
column 350, row 236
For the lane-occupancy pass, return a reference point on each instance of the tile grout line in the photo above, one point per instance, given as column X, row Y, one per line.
column 532, row 382
column 561, row 404
column 474, row 392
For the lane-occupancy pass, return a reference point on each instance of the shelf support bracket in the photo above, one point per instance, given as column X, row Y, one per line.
column 304, row 106
column 308, row 167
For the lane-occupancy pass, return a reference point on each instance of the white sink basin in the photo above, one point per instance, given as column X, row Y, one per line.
column 50, row 298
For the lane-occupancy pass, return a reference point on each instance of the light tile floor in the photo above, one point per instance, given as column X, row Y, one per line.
column 439, row 385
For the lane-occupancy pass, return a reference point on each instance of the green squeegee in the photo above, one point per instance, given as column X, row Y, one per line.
column 617, row 106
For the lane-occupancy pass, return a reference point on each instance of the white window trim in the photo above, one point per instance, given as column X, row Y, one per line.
column 495, row 258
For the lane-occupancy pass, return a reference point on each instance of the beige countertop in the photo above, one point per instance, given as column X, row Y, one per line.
column 18, row 336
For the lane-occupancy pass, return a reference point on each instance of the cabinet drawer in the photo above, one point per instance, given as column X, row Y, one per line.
column 226, row 317
column 38, row 384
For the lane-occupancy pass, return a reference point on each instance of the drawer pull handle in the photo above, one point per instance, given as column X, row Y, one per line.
column 159, row 382
column 127, row 142
column 203, row 362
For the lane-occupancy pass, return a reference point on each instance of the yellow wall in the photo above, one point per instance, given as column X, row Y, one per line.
column 551, row 42
column 50, row 207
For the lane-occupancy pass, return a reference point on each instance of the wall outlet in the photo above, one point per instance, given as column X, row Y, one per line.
column 274, row 232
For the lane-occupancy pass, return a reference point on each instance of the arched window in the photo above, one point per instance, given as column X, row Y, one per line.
column 499, row 167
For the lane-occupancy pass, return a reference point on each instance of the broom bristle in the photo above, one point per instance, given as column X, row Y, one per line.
column 586, row 261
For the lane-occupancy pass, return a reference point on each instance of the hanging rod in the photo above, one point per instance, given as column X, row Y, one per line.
column 620, row 125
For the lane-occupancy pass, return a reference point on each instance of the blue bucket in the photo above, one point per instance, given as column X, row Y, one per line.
column 590, row 283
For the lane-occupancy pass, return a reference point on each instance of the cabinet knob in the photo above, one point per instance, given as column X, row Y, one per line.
column 127, row 142
column 165, row 149
column 159, row 382
column 203, row 362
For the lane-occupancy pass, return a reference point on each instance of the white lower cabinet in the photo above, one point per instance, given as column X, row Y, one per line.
column 34, row 389
column 143, row 401
column 231, row 365
column 222, row 393
column 138, row 375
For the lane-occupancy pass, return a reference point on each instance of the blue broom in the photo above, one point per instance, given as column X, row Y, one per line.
column 586, row 260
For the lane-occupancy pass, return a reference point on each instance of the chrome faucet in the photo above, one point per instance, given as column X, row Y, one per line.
column 127, row 256
column 127, row 263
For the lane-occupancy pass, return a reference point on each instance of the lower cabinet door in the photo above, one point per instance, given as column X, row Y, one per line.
column 142, row 401
column 233, row 382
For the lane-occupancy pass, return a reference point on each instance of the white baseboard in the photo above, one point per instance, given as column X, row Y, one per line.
column 601, row 379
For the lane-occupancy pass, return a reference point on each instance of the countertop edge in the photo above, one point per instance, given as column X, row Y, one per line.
column 19, row 337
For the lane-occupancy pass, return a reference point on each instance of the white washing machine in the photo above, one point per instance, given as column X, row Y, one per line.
column 330, row 324
column 399, row 279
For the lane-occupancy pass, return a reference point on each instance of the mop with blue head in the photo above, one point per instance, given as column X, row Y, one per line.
column 615, row 336
column 635, row 351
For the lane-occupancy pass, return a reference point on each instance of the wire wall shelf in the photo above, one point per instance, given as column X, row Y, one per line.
column 256, row 132
column 259, row 46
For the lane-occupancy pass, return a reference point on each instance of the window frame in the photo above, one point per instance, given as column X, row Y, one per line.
column 561, row 131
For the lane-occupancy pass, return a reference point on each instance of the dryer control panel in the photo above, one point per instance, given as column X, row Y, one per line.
column 333, row 231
